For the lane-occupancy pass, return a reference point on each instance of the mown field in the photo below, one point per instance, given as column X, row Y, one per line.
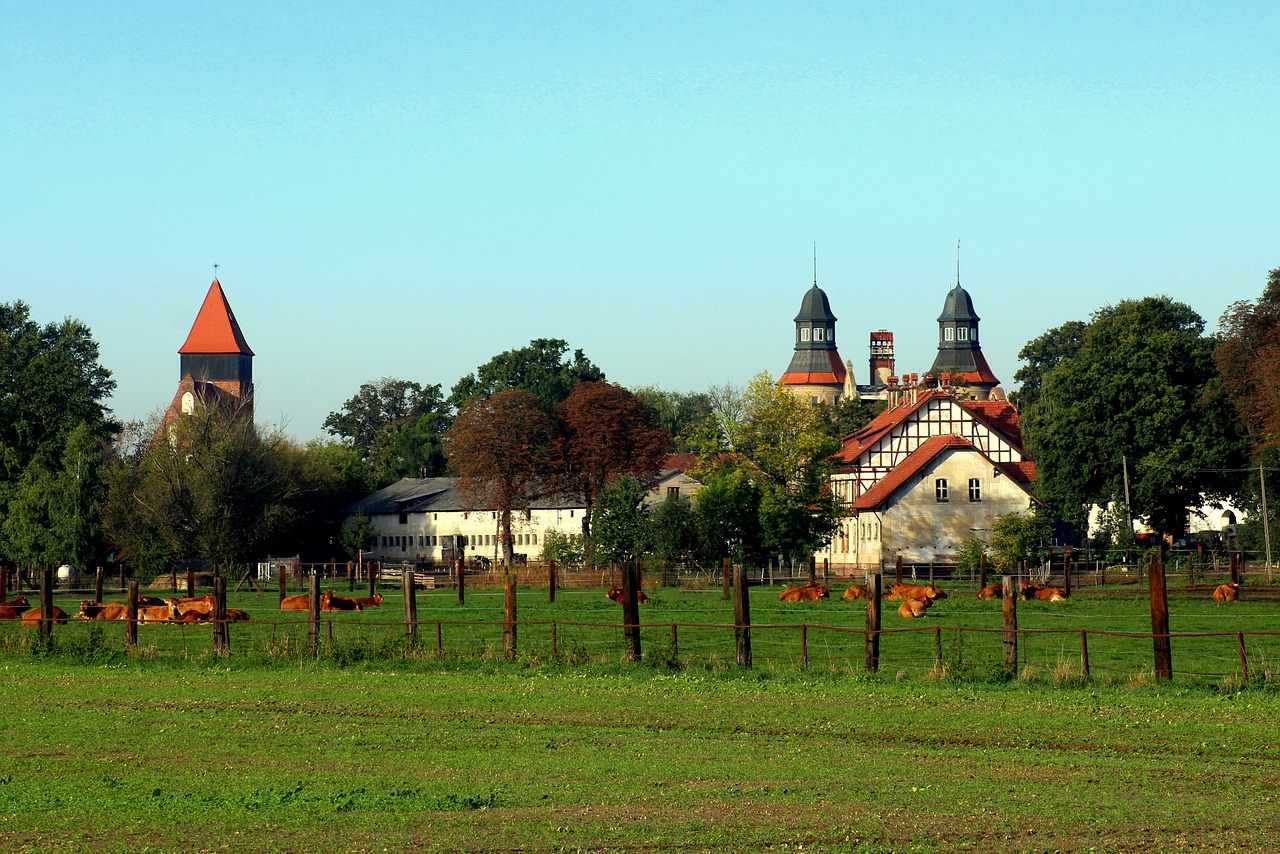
column 203, row 755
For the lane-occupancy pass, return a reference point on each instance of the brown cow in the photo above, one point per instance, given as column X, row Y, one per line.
column 235, row 615
column 913, row 607
column 615, row 593
column 992, row 591
column 193, row 617
column 32, row 617
column 13, row 610
column 102, row 610
column 370, row 601
column 150, row 602
column 330, row 602
column 855, row 591
column 296, row 603
column 903, row 590
column 1044, row 594
column 1229, row 592
column 203, row 604
column 810, row 592
column 158, row 613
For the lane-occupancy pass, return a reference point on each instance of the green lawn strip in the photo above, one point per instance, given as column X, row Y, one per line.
column 390, row 757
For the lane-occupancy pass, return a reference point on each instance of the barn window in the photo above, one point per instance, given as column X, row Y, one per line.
column 940, row 489
column 975, row 489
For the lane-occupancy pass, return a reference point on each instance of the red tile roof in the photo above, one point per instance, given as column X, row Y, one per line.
column 904, row 471
column 215, row 329
column 835, row 376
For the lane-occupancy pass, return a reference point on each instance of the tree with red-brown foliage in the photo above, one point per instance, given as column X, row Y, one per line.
column 498, row 446
column 1248, row 360
column 603, row 433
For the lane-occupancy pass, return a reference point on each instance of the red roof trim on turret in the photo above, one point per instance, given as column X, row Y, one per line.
column 835, row 376
column 215, row 329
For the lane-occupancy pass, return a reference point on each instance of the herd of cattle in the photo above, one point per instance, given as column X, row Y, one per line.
column 915, row 598
column 190, row 609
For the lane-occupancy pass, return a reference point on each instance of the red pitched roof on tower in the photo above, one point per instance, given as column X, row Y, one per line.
column 215, row 329
column 835, row 375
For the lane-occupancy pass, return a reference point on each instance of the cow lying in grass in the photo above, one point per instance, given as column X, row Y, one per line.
column 903, row 590
column 329, row 601
column 913, row 608
column 1229, row 592
column 615, row 593
column 32, row 617
column 1044, row 594
column 855, row 591
column 14, row 610
column 370, row 601
column 810, row 592
column 992, row 591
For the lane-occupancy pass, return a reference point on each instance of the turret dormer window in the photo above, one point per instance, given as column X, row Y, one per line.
column 804, row 333
column 962, row 333
column 817, row 333
column 948, row 334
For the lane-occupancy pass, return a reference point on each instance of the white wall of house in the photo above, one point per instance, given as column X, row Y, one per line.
column 918, row 524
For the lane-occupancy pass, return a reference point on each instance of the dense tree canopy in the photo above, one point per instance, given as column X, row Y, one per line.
column 541, row 368
column 396, row 426
column 603, row 432
column 1248, row 359
column 1136, row 387
column 54, row 429
column 498, row 447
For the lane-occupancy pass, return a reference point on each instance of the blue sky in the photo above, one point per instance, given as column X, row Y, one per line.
column 407, row 189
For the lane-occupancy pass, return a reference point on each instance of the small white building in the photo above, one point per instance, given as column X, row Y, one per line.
column 423, row 520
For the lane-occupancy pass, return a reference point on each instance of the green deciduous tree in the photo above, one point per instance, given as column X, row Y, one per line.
column 1016, row 537
column 1139, row 390
column 622, row 529
column 540, row 368
column 674, row 530
column 396, row 426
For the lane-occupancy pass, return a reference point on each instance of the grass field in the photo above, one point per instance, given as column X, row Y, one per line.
column 490, row 756
column 960, row 637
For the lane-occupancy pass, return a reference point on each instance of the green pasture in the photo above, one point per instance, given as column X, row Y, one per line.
column 961, row 637
column 165, row 755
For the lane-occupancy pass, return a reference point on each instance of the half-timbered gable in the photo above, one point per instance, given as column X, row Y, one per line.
column 925, row 474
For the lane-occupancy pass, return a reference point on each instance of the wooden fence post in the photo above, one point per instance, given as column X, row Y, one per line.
column 813, row 570
column 982, row 571
column 98, row 580
column 804, row 645
column 1235, row 568
column 897, row 569
column 461, row 574
column 131, row 616
column 1066, row 572
column 509, row 614
column 554, row 651
column 1084, row 652
column 937, row 649
column 872, row 662
column 283, row 584
column 631, row 609
column 410, row 591
column 221, row 633
column 1244, row 662
column 551, row 581
column 374, row 569
column 313, row 615
column 46, row 607
column 742, row 615
column 1010, row 622
column 1160, row 619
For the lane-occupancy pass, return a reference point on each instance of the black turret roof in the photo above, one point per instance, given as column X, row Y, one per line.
column 814, row 307
column 958, row 306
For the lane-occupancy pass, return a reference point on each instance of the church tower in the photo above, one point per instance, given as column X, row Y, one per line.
column 816, row 373
column 215, row 362
column 960, row 361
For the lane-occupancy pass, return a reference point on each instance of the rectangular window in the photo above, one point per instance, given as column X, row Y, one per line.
column 975, row 489
column 535, row 539
column 962, row 333
column 948, row 334
column 673, row 492
column 804, row 333
column 940, row 489
column 818, row 333
column 404, row 518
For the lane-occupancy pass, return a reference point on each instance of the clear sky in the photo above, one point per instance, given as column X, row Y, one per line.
column 407, row 189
